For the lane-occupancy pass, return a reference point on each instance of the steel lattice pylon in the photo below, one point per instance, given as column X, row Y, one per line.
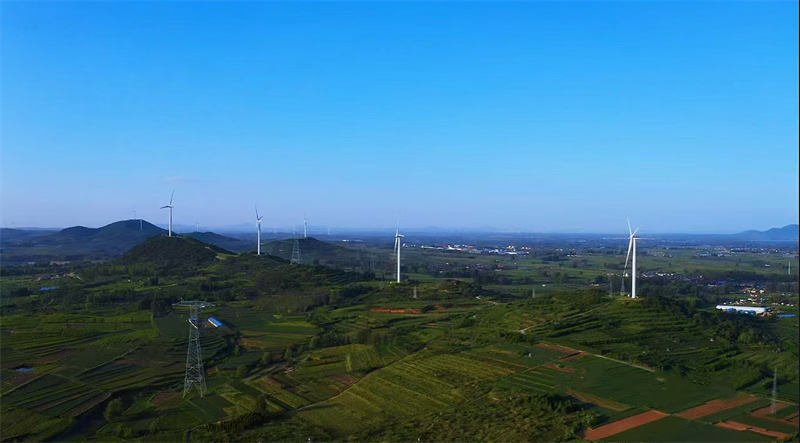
column 195, row 373
column 296, row 252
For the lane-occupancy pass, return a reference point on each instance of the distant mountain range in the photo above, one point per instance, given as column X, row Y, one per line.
column 113, row 240
column 786, row 233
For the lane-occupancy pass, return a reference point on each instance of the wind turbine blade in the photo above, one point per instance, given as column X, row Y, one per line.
column 630, row 246
column 164, row 207
column 257, row 213
column 634, row 232
column 629, row 226
column 170, row 197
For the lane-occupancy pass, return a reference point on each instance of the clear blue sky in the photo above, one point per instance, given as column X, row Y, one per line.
column 531, row 115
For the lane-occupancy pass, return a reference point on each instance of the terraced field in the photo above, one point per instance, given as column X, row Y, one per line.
column 415, row 385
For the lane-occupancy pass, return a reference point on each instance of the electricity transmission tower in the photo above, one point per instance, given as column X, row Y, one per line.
column 774, row 392
column 195, row 374
column 296, row 252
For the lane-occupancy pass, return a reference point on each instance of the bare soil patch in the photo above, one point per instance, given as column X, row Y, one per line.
column 714, row 406
column 344, row 378
column 83, row 407
column 743, row 427
column 563, row 369
column 623, row 425
column 599, row 401
column 555, row 348
column 767, row 410
column 573, row 356
column 397, row 311
column 165, row 399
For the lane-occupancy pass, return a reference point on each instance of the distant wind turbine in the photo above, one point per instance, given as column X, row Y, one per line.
column 631, row 247
column 397, row 246
column 305, row 226
column 170, row 206
column 258, row 226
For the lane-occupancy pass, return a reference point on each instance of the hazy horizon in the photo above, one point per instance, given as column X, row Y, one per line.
column 534, row 116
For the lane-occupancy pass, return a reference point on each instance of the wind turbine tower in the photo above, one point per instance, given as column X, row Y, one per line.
column 195, row 373
column 170, row 206
column 632, row 247
column 397, row 245
column 305, row 226
column 258, row 226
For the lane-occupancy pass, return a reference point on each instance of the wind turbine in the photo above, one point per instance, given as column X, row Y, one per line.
column 397, row 245
column 305, row 226
column 258, row 225
column 631, row 247
column 170, row 206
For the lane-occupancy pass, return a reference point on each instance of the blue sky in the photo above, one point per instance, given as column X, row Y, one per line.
column 529, row 115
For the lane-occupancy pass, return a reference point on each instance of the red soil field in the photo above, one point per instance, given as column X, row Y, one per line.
column 767, row 410
column 564, row 369
column 397, row 311
column 599, row 401
column 623, row 425
column 743, row 427
column 344, row 378
column 165, row 398
column 555, row 348
column 714, row 406
column 572, row 357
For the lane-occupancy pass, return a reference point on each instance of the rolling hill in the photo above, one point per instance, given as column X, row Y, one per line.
column 78, row 241
column 310, row 249
column 786, row 233
column 228, row 243
column 173, row 252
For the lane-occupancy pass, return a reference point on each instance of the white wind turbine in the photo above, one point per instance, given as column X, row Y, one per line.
column 305, row 226
column 258, row 225
column 397, row 246
column 631, row 247
column 170, row 206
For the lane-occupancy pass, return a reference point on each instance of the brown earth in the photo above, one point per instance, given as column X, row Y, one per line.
column 555, row 348
column 599, row 401
column 165, row 398
column 714, row 406
column 344, row 378
column 766, row 411
column 55, row 356
column 573, row 356
column 743, row 427
column 85, row 406
column 397, row 311
column 623, row 425
column 564, row 369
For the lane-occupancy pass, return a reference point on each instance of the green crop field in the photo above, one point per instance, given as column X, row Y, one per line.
column 461, row 350
column 676, row 429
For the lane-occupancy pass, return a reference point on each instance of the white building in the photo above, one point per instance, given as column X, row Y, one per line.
column 745, row 309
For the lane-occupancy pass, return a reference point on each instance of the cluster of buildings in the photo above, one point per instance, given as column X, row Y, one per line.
column 499, row 250
column 748, row 310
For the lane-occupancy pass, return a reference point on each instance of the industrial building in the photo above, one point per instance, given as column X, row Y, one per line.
column 751, row 310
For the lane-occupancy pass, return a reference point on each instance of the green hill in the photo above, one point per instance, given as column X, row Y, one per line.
column 173, row 252
column 228, row 243
column 310, row 249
